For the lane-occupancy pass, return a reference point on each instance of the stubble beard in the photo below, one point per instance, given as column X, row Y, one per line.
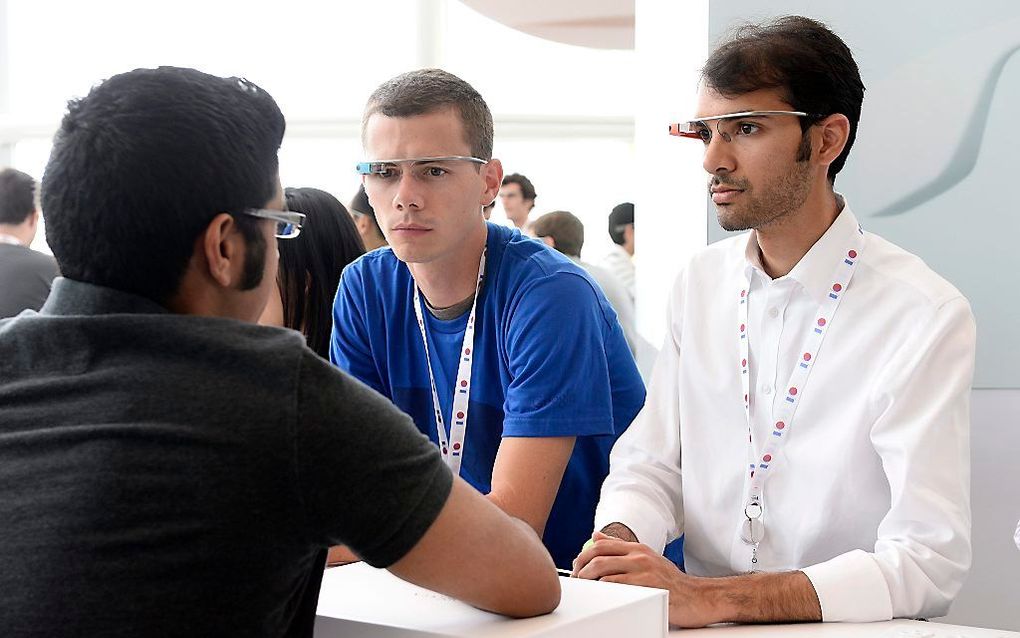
column 777, row 199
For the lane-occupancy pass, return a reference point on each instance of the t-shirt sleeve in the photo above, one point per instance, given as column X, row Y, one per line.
column 557, row 354
column 350, row 346
column 368, row 479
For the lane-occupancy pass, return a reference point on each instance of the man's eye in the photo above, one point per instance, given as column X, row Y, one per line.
column 705, row 135
column 435, row 171
column 747, row 128
column 384, row 173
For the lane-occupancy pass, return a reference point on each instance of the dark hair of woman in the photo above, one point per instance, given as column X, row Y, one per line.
column 311, row 264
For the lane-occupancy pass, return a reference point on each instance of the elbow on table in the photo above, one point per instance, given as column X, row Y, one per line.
column 540, row 596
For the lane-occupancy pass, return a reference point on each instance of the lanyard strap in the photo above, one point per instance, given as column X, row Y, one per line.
column 783, row 415
column 453, row 449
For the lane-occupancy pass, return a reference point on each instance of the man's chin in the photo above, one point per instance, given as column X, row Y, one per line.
column 409, row 255
column 730, row 220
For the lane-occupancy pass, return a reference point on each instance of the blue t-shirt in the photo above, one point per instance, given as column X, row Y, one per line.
column 550, row 360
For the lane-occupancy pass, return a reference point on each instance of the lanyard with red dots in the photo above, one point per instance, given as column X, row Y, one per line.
column 453, row 450
column 753, row 528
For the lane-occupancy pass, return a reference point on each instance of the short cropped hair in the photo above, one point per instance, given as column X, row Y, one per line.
column 809, row 64
column 17, row 196
column 621, row 215
column 144, row 162
column 427, row 90
column 565, row 229
column 527, row 188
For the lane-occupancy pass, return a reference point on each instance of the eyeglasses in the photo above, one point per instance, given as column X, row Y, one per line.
column 384, row 168
column 728, row 126
column 288, row 222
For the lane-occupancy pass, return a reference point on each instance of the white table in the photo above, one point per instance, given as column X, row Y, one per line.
column 357, row 600
column 890, row 629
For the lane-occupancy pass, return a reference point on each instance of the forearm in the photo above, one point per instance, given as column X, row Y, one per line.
column 760, row 598
column 508, row 503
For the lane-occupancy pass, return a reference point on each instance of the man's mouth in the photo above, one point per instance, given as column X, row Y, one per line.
column 725, row 194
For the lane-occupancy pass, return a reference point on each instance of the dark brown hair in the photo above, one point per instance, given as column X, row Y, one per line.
column 811, row 66
column 426, row 90
column 565, row 229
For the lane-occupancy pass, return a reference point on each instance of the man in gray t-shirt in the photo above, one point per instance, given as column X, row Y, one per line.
column 168, row 468
column 25, row 275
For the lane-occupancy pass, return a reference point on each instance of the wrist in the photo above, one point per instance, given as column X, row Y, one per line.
column 716, row 598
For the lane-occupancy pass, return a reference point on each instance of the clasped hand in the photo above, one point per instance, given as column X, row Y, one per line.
column 613, row 560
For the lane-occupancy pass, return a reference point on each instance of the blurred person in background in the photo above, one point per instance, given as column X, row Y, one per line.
column 25, row 274
column 564, row 232
column 517, row 194
column 364, row 218
column 620, row 260
column 310, row 267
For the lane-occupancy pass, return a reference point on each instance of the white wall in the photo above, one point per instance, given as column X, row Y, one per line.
column 991, row 595
column 671, row 43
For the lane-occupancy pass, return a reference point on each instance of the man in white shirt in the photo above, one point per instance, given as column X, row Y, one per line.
column 620, row 260
column 846, row 498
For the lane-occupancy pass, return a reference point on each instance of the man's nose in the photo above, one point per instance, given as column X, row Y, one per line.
column 719, row 156
column 408, row 194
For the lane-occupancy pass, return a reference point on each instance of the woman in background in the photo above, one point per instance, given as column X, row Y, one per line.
column 310, row 267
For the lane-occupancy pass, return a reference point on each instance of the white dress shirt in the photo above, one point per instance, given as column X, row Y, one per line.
column 870, row 493
column 619, row 262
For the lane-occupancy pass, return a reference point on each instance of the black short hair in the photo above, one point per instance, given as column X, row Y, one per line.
column 17, row 196
column 527, row 188
column 803, row 58
column 310, row 265
column 427, row 90
column 621, row 215
column 565, row 228
column 144, row 162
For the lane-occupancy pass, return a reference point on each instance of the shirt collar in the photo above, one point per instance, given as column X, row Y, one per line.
column 814, row 270
column 72, row 297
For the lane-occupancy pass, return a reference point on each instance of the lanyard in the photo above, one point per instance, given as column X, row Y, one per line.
column 453, row 450
column 753, row 527
column 9, row 239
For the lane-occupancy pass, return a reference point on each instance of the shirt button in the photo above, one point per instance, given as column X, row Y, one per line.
column 766, row 389
column 773, row 312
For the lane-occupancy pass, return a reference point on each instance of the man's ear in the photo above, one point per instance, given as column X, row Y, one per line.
column 222, row 246
column 493, row 174
column 835, row 131
column 549, row 241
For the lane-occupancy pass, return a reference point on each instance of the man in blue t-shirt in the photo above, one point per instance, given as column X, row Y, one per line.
column 527, row 380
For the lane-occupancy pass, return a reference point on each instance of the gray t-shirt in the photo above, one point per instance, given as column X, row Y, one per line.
column 170, row 475
column 25, row 278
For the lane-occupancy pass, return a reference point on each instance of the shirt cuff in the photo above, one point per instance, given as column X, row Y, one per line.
column 851, row 588
column 646, row 526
